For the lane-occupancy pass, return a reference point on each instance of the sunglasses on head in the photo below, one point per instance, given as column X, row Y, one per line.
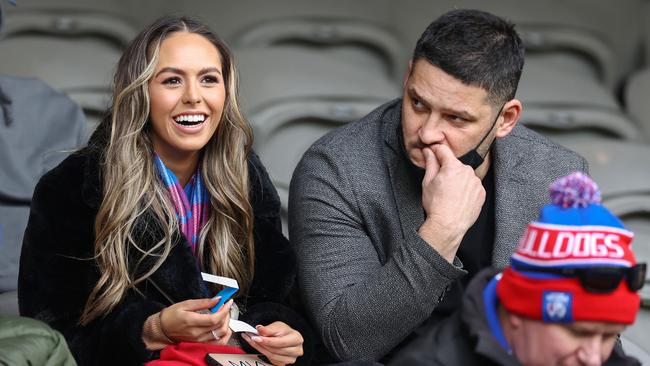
column 601, row 280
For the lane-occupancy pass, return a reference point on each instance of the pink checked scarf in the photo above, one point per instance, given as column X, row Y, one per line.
column 192, row 204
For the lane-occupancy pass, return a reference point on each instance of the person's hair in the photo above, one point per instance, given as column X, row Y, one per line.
column 477, row 48
column 132, row 188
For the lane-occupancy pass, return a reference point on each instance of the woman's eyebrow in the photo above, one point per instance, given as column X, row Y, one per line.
column 178, row 71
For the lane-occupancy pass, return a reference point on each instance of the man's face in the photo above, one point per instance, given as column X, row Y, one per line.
column 439, row 109
column 580, row 343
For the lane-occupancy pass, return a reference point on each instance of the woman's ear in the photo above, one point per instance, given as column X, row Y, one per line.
column 510, row 116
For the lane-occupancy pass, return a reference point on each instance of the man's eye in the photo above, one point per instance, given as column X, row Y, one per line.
column 454, row 118
column 172, row 81
column 417, row 104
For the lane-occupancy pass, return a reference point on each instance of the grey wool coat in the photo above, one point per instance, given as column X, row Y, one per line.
column 366, row 278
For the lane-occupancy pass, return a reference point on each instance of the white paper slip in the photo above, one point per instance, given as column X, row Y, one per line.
column 238, row 326
column 224, row 281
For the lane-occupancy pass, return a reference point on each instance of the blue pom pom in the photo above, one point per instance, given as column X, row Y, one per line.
column 574, row 190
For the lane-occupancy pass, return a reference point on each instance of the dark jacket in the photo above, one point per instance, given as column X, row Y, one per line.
column 355, row 208
column 56, row 274
column 465, row 337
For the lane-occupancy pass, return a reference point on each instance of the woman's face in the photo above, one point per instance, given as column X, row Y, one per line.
column 187, row 94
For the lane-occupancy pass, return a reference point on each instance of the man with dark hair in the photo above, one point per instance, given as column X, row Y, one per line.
column 391, row 215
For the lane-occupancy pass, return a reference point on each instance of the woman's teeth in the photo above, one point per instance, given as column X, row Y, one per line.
column 190, row 119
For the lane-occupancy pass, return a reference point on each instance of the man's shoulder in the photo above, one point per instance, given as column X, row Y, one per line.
column 536, row 144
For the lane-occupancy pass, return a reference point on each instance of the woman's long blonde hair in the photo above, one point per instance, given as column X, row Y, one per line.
column 131, row 186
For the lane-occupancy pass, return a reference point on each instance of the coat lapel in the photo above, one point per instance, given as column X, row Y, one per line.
column 510, row 188
column 405, row 178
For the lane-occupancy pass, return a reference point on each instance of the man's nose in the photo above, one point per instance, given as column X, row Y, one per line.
column 431, row 131
column 590, row 352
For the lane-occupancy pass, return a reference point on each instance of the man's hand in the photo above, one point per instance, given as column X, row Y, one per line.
column 452, row 197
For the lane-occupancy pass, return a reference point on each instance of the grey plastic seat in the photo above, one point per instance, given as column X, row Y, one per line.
column 635, row 338
column 636, row 95
column 560, row 97
column 622, row 170
column 364, row 43
column 74, row 52
column 550, row 39
column 69, row 23
column 293, row 96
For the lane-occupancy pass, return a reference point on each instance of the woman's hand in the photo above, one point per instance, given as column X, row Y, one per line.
column 183, row 321
column 281, row 344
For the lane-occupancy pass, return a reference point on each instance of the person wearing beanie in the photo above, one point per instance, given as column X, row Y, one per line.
column 569, row 291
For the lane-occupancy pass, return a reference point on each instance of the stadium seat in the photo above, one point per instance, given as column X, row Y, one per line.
column 636, row 94
column 74, row 52
column 635, row 338
column 360, row 42
column 567, row 100
column 293, row 96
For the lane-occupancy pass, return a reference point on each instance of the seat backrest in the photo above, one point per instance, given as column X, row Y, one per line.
column 362, row 42
column 636, row 95
column 74, row 52
column 559, row 98
column 293, row 96
column 622, row 170
column 70, row 24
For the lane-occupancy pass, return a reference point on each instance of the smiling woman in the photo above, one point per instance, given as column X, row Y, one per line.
column 187, row 99
column 167, row 187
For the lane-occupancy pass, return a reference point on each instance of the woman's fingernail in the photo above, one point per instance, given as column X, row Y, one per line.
column 216, row 298
column 256, row 339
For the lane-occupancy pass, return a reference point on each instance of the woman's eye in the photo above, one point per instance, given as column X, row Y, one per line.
column 210, row 80
column 172, row 81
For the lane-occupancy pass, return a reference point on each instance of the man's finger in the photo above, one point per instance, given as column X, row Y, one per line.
column 444, row 155
column 432, row 166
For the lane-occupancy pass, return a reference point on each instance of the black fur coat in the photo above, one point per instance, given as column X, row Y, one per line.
column 56, row 275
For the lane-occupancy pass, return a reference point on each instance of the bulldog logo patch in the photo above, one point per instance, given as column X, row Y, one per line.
column 556, row 307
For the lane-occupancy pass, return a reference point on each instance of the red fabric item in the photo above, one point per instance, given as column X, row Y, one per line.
column 524, row 296
column 190, row 354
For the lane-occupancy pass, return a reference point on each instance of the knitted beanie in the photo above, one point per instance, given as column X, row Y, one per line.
column 575, row 236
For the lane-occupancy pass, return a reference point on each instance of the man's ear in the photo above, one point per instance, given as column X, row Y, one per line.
column 514, row 320
column 407, row 74
column 510, row 116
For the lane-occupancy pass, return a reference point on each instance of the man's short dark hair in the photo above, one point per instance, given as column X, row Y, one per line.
column 477, row 48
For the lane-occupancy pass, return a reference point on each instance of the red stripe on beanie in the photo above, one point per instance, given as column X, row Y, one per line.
column 524, row 296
